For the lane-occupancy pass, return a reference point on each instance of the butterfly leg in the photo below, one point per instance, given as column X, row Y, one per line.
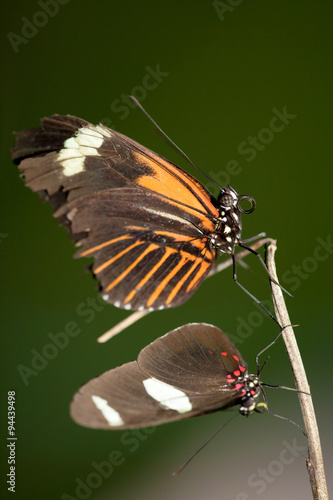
column 265, row 349
column 257, row 254
column 249, row 293
column 254, row 238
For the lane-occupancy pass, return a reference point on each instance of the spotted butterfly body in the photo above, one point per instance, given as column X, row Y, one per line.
column 154, row 231
column 190, row 371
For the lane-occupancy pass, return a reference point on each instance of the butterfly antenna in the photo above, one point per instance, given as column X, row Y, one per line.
column 202, row 447
column 171, row 141
column 259, row 370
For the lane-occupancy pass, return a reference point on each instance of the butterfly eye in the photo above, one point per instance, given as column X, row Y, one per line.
column 226, row 200
column 243, row 197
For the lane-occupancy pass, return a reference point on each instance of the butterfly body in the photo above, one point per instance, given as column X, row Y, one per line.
column 154, row 231
column 191, row 371
column 228, row 225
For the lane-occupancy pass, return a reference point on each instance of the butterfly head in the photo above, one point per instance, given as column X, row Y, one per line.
column 249, row 399
column 229, row 200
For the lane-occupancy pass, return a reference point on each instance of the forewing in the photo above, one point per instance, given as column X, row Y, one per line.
column 70, row 154
column 126, row 206
column 126, row 397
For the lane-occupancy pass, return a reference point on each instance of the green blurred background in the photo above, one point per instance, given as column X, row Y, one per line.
column 223, row 70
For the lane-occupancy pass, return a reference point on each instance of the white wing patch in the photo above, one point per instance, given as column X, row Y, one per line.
column 110, row 414
column 85, row 143
column 167, row 395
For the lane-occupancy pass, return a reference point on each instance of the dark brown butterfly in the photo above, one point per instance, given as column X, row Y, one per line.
column 190, row 371
column 154, row 230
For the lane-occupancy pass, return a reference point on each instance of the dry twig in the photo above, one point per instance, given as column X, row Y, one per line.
column 314, row 462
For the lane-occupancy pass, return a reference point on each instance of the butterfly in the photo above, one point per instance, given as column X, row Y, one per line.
column 155, row 232
column 192, row 370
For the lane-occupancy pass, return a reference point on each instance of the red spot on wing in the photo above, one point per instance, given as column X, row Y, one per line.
column 239, row 386
column 235, row 357
column 224, row 353
column 242, row 369
column 231, row 380
column 237, row 373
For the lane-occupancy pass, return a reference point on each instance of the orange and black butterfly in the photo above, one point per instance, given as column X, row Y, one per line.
column 154, row 230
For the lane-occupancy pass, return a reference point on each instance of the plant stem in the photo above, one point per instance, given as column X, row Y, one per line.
column 314, row 463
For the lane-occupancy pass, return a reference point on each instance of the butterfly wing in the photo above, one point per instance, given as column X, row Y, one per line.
column 119, row 399
column 144, row 220
column 181, row 375
column 197, row 356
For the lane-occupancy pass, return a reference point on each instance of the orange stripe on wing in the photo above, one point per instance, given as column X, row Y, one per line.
column 166, row 280
column 136, row 228
column 182, row 281
column 197, row 242
column 203, row 268
column 207, row 224
column 106, row 243
column 116, row 257
column 167, row 253
column 149, row 249
column 174, row 236
column 169, row 181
